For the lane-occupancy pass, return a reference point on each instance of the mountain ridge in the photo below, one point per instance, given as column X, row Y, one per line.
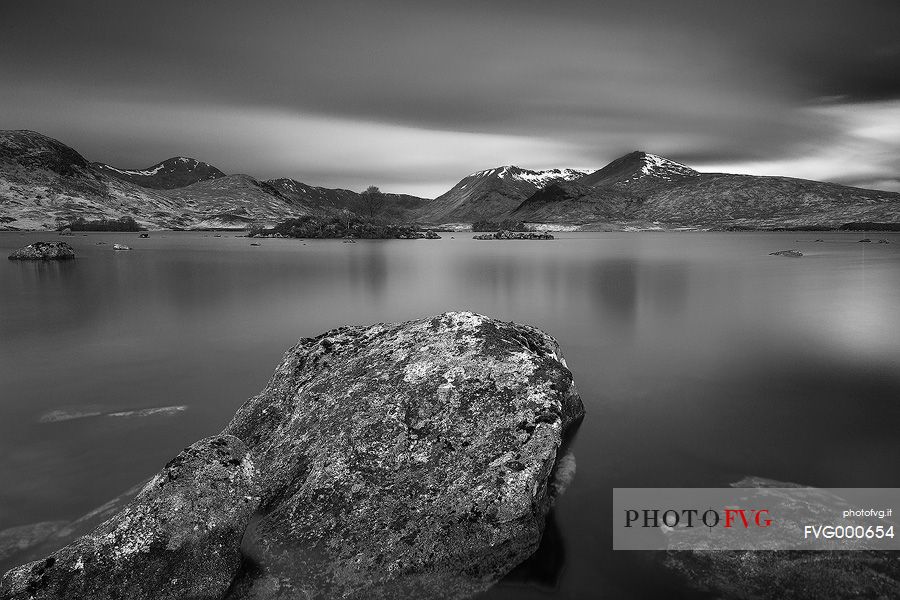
column 44, row 182
column 175, row 172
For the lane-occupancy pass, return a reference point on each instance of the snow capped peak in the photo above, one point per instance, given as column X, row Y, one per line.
column 663, row 168
column 537, row 178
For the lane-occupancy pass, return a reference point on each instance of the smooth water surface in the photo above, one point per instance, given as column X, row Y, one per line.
column 700, row 358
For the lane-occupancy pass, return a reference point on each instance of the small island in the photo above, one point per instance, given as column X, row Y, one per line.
column 504, row 234
column 44, row 251
column 348, row 227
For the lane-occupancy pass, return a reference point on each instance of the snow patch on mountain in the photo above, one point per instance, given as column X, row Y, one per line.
column 663, row 168
column 536, row 178
column 167, row 165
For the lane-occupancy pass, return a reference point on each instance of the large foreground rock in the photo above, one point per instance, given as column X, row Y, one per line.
column 412, row 460
column 177, row 540
column 800, row 575
column 44, row 251
column 405, row 460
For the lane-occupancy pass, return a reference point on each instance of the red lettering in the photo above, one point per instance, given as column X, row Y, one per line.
column 730, row 514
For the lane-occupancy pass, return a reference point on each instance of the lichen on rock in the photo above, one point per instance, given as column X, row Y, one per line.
column 405, row 460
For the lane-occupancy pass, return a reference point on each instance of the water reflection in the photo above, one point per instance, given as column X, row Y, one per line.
column 700, row 359
column 544, row 568
column 615, row 285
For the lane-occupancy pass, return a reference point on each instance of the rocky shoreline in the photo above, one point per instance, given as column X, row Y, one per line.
column 398, row 460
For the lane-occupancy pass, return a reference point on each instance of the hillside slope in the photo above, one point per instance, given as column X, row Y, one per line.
column 43, row 182
column 329, row 201
column 236, row 201
column 723, row 200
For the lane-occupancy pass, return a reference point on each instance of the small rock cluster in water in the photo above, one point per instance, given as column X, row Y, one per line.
column 791, row 253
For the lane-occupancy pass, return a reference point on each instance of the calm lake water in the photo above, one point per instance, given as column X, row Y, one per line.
column 700, row 358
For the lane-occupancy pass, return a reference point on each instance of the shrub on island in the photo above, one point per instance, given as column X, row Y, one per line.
column 120, row 224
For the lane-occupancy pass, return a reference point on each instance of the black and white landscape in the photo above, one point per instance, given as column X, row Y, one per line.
column 383, row 300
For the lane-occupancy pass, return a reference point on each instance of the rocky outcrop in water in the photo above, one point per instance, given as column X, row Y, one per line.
column 179, row 538
column 44, row 251
column 411, row 460
column 514, row 235
column 407, row 460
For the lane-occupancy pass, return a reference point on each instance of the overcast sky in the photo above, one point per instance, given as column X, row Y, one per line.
column 412, row 96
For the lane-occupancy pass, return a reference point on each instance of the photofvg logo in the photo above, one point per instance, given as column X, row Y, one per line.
column 754, row 518
column 693, row 517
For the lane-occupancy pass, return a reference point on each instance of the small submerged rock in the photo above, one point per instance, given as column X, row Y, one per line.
column 883, row 241
column 503, row 234
column 84, row 412
column 791, row 253
column 772, row 575
column 255, row 244
column 44, row 251
column 121, row 247
column 865, row 241
column 144, row 235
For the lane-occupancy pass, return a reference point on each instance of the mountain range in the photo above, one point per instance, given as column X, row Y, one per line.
column 44, row 183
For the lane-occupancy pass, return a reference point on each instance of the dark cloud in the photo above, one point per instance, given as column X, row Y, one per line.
column 701, row 81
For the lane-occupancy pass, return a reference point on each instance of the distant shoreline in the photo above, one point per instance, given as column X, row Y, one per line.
column 550, row 228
